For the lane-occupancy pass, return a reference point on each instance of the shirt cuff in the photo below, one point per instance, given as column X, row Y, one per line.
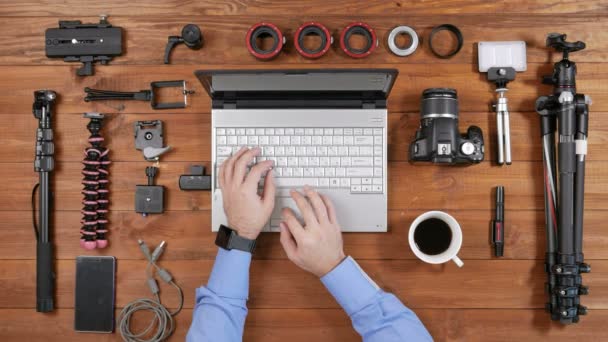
column 350, row 285
column 230, row 274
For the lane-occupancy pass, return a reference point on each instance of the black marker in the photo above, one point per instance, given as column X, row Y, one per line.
column 498, row 228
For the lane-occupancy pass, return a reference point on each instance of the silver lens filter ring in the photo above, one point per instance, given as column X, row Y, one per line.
column 402, row 52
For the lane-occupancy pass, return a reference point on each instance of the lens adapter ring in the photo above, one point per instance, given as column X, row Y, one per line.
column 446, row 27
column 364, row 30
column 403, row 30
column 261, row 29
column 316, row 29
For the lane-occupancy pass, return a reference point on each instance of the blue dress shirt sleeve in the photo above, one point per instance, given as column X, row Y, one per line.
column 376, row 315
column 221, row 306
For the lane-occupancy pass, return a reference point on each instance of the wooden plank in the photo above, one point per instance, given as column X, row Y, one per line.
column 189, row 236
column 475, row 93
column 507, row 284
column 190, row 136
column 427, row 186
column 173, row 8
column 225, row 38
column 304, row 325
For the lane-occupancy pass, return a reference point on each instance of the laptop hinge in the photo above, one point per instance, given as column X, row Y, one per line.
column 368, row 105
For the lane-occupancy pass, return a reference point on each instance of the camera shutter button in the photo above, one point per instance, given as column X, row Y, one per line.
column 467, row 148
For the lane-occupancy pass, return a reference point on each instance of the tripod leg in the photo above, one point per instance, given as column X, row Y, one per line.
column 500, row 136
column 507, row 134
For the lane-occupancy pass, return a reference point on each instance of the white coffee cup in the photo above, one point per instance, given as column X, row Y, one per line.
column 455, row 244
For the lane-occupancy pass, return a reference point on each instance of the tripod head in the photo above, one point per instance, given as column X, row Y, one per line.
column 564, row 71
column 43, row 105
column 559, row 43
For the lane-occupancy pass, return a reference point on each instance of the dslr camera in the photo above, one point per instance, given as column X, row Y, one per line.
column 438, row 140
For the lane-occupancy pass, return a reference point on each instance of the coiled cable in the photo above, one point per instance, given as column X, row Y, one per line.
column 162, row 325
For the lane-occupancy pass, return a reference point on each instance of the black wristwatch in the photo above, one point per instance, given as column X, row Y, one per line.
column 229, row 239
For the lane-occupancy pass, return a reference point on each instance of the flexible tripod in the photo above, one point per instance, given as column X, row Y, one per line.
column 566, row 111
column 44, row 164
column 95, row 187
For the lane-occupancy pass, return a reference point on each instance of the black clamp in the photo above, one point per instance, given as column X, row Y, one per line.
column 85, row 43
column 142, row 95
column 149, row 199
column 196, row 180
column 149, row 139
column 191, row 36
column 446, row 27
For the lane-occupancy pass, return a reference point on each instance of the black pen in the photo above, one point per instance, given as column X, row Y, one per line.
column 498, row 227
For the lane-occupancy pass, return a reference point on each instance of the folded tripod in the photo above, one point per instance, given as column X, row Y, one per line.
column 567, row 112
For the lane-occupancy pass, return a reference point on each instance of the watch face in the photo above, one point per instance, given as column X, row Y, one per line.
column 223, row 237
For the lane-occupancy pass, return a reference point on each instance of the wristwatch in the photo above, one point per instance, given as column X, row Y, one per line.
column 229, row 239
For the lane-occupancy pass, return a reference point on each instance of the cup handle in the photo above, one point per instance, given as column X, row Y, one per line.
column 458, row 262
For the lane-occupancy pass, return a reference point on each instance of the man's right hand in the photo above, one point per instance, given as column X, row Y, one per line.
column 246, row 211
column 315, row 246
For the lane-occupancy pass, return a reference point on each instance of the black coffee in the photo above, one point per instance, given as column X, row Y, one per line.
column 433, row 236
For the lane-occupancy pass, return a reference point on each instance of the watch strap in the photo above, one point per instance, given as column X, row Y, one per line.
column 241, row 243
column 228, row 238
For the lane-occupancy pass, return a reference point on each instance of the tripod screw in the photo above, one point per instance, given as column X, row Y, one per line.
column 582, row 310
column 558, row 270
column 564, row 313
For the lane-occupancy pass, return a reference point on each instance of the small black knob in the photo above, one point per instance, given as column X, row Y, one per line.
column 192, row 36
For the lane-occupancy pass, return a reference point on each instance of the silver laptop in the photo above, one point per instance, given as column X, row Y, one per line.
column 323, row 128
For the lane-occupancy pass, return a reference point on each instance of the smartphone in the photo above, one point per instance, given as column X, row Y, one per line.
column 94, row 302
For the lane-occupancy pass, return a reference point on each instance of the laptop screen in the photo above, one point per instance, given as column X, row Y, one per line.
column 283, row 87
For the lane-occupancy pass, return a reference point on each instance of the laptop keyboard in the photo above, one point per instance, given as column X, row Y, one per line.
column 340, row 158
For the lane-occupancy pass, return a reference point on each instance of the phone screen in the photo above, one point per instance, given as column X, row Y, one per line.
column 94, row 308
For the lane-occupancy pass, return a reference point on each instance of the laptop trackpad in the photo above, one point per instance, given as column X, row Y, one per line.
column 285, row 202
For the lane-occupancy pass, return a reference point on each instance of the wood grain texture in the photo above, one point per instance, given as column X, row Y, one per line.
column 190, row 135
column 489, row 299
column 304, row 325
column 173, row 8
column 189, row 236
column 435, row 186
column 475, row 93
column 281, row 284
column 146, row 38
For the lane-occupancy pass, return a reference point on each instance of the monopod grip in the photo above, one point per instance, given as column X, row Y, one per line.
column 45, row 278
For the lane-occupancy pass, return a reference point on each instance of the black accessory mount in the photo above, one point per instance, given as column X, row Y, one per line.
column 149, row 139
column 86, row 43
column 229, row 239
column 149, row 199
column 196, row 180
column 446, row 27
column 142, row 95
column 191, row 36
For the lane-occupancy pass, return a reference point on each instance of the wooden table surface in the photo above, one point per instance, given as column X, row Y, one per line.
column 489, row 299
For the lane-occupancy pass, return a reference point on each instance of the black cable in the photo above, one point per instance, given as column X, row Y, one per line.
column 34, row 210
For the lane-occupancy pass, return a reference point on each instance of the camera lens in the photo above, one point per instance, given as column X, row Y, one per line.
column 439, row 103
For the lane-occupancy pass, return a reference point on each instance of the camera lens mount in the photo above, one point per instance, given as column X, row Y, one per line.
column 402, row 52
column 361, row 29
column 313, row 29
column 260, row 31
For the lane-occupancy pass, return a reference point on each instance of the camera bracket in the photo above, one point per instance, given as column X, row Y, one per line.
column 85, row 43
column 149, row 139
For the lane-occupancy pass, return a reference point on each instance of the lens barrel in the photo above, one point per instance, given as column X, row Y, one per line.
column 439, row 103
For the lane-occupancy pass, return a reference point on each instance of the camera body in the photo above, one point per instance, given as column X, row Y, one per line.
column 438, row 140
